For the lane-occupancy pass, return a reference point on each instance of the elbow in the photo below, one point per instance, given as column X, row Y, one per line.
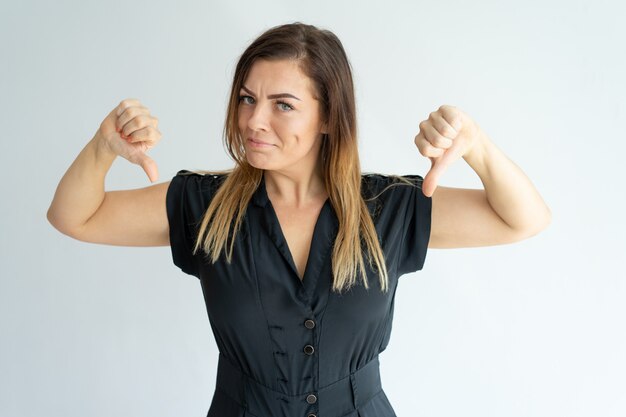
column 57, row 222
column 54, row 220
column 539, row 224
column 544, row 220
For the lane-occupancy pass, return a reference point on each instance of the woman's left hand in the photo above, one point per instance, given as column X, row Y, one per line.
column 447, row 135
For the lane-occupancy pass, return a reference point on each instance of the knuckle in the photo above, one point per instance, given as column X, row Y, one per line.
column 419, row 141
column 437, row 142
column 446, row 131
column 435, row 152
column 127, row 114
column 131, row 126
column 432, row 146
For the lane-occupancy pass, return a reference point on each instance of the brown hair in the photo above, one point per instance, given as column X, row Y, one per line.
column 322, row 58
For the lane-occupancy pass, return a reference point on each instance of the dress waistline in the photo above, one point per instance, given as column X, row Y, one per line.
column 335, row 400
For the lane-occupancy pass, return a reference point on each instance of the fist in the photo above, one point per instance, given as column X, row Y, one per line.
column 130, row 131
column 447, row 135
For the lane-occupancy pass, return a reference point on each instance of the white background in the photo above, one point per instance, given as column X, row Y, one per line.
column 529, row 329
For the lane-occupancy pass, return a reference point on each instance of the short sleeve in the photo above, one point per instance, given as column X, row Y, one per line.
column 188, row 196
column 416, row 229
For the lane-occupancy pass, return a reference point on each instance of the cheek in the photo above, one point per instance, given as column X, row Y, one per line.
column 303, row 127
column 242, row 120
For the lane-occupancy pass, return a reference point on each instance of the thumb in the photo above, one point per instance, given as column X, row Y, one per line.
column 149, row 166
column 437, row 167
column 431, row 179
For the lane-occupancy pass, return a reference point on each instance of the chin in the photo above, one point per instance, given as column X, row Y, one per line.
column 258, row 163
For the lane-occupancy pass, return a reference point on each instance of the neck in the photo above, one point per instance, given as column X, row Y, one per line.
column 296, row 188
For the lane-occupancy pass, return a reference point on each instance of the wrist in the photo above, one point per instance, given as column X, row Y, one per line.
column 102, row 149
column 475, row 157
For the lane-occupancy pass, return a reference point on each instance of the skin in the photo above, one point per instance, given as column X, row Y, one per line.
column 292, row 127
column 507, row 210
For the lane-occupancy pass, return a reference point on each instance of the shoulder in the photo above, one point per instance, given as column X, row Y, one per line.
column 389, row 196
column 204, row 181
column 202, row 177
column 195, row 188
column 375, row 185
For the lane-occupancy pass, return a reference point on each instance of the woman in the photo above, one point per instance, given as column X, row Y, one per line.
column 290, row 244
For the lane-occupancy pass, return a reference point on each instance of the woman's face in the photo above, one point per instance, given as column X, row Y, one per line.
column 279, row 119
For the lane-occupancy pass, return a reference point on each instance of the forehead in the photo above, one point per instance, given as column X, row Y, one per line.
column 278, row 76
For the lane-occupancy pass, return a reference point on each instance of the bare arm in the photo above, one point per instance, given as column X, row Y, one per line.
column 509, row 208
column 83, row 210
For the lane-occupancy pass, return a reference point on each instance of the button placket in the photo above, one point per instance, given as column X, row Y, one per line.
column 310, row 350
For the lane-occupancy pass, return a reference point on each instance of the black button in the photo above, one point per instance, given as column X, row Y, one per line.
column 309, row 324
column 308, row 349
column 311, row 399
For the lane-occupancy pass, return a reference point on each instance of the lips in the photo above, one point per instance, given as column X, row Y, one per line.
column 259, row 142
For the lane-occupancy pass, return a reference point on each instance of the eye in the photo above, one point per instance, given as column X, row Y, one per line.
column 284, row 106
column 243, row 99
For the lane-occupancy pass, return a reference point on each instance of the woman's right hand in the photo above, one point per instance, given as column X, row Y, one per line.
column 129, row 131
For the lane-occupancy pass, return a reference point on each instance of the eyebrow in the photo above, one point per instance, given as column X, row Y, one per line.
column 281, row 95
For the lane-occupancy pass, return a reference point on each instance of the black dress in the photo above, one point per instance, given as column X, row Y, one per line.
column 291, row 347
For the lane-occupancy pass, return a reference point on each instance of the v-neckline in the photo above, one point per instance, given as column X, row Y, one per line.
column 283, row 245
column 314, row 259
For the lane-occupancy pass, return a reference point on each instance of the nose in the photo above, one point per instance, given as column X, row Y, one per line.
column 259, row 119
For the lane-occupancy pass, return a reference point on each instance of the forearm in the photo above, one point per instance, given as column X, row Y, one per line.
column 509, row 191
column 81, row 190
